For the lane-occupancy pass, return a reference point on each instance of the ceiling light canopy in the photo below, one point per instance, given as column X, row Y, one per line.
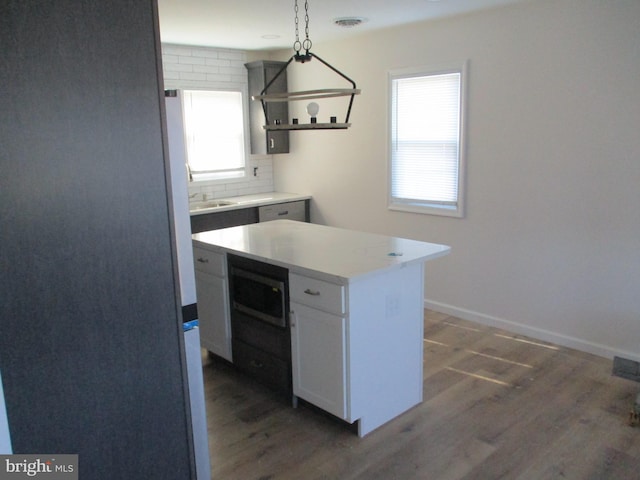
column 303, row 54
column 349, row 22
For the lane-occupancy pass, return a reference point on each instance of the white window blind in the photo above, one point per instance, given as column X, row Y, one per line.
column 214, row 133
column 425, row 142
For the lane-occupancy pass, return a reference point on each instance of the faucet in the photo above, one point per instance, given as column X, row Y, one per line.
column 193, row 195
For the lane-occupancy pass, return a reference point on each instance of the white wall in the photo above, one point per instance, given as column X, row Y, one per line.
column 194, row 67
column 550, row 245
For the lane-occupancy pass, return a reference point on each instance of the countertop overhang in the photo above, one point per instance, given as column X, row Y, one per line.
column 247, row 201
column 340, row 254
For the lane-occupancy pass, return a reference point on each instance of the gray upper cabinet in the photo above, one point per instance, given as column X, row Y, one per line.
column 260, row 74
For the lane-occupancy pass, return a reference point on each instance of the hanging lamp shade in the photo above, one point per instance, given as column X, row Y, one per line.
column 315, row 94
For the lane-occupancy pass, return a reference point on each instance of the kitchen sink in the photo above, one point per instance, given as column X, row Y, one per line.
column 211, row 204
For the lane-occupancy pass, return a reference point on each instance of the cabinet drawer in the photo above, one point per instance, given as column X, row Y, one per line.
column 209, row 262
column 273, row 340
column 317, row 293
column 290, row 211
column 265, row 368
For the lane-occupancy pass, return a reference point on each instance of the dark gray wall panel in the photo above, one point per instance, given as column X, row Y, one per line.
column 90, row 343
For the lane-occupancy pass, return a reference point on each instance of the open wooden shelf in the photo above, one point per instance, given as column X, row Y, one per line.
column 308, row 126
column 306, row 95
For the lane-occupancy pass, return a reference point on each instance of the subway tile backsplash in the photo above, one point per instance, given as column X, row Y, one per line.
column 186, row 67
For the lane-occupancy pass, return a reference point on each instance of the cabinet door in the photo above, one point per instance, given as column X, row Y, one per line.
column 260, row 73
column 277, row 140
column 318, row 349
column 213, row 313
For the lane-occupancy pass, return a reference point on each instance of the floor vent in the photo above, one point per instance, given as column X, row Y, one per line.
column 625, row 368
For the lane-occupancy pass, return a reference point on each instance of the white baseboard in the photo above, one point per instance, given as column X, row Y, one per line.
column 529, row 331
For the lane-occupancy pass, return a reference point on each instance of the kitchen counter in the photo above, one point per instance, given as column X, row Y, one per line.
column 245, row 201
column 345, row 255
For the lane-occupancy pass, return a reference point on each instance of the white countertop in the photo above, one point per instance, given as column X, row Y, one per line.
column 247, row 201
column 344, row 255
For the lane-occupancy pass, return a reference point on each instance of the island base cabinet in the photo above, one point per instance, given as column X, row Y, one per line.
column 356, row 314
column 318, row 348
column 213, row 314
column 357, row 348
column 212, row 292
column 215, row 329
column 385, row 345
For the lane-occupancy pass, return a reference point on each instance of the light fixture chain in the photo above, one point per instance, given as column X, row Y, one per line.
column 306, row 18
column 307, row 42
column 297, row 45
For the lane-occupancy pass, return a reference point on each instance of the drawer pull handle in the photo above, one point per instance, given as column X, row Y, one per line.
column 285, row 212
column 203, row 260
column 315, row 293
column 256, row 364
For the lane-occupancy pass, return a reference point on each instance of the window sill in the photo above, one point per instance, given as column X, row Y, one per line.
column 427, row 209
column 213, row 178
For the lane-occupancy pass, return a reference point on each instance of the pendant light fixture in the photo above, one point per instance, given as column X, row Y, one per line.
column 302, row 55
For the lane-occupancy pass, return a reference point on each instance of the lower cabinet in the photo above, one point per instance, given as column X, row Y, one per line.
column 215, row 220
column 319, row 343
column 212, row 291
column 357, row 347
column 296, row 210
column 318, row 358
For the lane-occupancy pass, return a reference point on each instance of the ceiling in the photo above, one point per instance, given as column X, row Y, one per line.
column 265, row 25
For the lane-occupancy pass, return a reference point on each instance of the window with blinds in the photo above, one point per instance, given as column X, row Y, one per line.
column 214, row 134
column 426, row 154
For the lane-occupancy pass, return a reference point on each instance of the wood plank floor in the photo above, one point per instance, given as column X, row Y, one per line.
column 495, row 406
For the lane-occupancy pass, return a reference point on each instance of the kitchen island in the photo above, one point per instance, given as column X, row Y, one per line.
column 356, row 311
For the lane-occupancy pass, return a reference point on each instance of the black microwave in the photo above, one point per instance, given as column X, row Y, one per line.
column 258, row 295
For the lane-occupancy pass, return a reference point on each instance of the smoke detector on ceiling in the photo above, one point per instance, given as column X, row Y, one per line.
column 349, row 22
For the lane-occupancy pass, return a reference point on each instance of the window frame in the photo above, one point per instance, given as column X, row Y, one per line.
column 204, row 179
column 427, row 207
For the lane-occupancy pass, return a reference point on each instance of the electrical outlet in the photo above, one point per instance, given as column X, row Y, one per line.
column 392, row 305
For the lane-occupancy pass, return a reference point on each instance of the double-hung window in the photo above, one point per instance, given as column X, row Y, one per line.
column 426, row 159
column 214, row 127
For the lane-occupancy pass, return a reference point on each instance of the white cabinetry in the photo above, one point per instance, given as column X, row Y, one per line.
column 213, row 302
column 357, row 348
column 318, row 341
